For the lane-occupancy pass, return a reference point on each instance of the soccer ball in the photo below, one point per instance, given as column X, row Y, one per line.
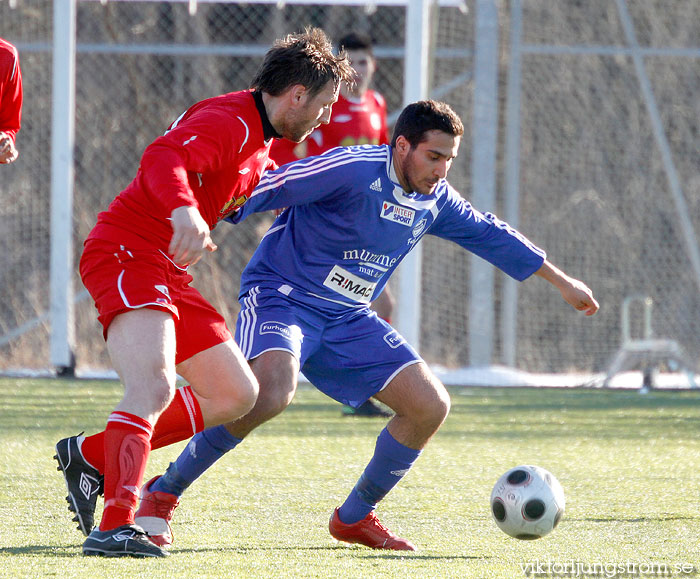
column 527, row 502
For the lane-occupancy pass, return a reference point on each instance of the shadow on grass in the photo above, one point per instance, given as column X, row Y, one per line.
column 363, row 552
column 75, row 551
column 657, row 519
column 50, row 550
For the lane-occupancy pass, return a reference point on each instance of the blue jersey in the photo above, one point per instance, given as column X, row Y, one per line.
column 348, row 224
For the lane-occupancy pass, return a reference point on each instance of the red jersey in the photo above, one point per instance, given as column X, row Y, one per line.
column 353, row 122
column 211, row 158
column 10, row 90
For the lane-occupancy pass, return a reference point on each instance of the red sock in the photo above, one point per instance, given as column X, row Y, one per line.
column 93, row 450
column 127, row 443
column 180, row 420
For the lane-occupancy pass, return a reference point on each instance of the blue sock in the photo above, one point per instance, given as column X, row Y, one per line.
column 201, row 452
column 389, row 464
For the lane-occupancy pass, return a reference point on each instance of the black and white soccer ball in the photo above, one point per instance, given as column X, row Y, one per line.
column 527, row 502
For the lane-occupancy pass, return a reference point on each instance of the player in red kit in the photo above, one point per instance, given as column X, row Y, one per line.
column 135, row 262
column 359, row 118
column 10, row 101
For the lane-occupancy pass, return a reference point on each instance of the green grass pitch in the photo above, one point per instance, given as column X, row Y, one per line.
column 628, row 464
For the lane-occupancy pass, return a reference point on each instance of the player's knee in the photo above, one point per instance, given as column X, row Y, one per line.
column 275, row 396
column 248, row 395
column 277, row 374
column 165, row 397
column 443, row 405
column 433, row 412
column 240, row 399
column 151, row 395
column 149, row 403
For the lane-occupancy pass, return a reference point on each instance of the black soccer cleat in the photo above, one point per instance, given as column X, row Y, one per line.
column 124, row 541
column 84, row 483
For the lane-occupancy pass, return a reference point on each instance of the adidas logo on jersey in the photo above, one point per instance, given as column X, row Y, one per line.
column 377, row 185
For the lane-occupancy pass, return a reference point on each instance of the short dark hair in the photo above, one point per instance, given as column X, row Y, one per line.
column 355, row 41
column 306, row 59
column 420, row 117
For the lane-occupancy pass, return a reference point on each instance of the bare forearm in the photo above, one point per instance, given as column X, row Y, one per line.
column 575, row 292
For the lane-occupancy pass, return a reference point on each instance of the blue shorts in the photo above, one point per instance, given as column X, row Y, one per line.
column 349, row 357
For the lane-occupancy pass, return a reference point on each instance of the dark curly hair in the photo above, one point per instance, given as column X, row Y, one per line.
column 306, row 59
column 420, row 117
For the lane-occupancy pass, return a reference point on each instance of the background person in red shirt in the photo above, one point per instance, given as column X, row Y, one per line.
column 134, row 265
column 10, row 101
column 358, row 118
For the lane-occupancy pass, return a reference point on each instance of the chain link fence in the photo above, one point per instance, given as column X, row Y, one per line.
column 138, row 66
column 594, row 190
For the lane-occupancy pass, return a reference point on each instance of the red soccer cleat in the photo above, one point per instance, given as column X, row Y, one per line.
column 369, row 531
column 155, row 513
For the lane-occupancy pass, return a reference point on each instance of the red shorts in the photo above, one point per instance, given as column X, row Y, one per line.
column 120, row 279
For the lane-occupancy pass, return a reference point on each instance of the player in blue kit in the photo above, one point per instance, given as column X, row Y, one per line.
column 352, row 215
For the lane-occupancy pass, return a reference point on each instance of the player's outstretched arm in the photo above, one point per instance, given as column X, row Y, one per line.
column 575, row 292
